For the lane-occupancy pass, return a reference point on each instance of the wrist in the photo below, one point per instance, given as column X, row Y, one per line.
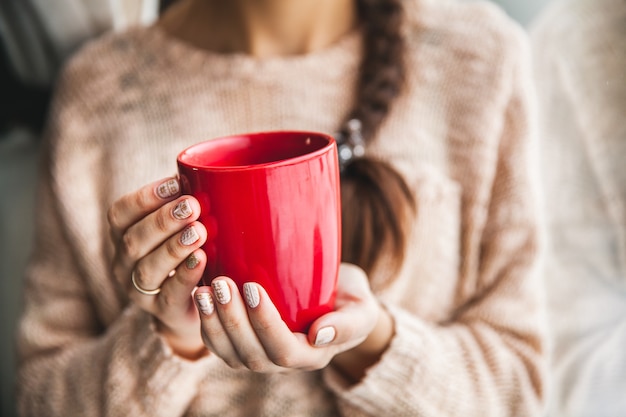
column 180, row 345
column 380, row 337
column 354, row 362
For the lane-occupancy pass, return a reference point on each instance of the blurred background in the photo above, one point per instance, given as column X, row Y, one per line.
column 36, row 37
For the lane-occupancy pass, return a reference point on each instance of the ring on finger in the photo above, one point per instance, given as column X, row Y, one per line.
column 141, row 290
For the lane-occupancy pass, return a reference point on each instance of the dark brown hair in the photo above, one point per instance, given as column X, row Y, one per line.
column 377, row 204
column 164, row 4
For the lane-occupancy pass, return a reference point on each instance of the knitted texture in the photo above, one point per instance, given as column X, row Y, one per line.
column 467, row 303
column 580, row 63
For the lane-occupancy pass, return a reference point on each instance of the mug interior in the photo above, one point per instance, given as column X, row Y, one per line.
column 254, row 150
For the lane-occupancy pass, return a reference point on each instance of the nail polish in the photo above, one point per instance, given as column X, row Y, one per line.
column 204, row 301
column 251, row 294
column 324, row 336
column 182, row 210
column 168, row 188
column 189, row 236
column 192, row 261
column 222, row 292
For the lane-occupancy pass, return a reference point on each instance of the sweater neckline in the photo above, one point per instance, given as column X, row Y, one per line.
column 342, row 52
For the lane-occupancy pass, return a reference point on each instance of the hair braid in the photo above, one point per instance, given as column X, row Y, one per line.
column 382, row 68
column 377, row 204
column 164, row 4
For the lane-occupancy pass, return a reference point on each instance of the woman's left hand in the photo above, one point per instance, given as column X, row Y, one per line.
column 247, row 332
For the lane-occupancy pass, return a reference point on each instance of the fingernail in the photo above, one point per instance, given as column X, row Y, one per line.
column 189, row 236
column 182, row 210
column 324, row 336
column 168, row 188
column 192, row 261
column 204, row 303
column 222, row 292
column 251, row 294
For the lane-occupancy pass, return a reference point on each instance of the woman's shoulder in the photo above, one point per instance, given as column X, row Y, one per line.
column 479, row 28
column 111, row 48
column 100, row 64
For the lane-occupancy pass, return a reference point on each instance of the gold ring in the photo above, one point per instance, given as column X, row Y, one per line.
column 141, row 290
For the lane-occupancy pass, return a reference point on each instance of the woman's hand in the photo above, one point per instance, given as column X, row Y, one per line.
column 246, row 331
column 158, row 260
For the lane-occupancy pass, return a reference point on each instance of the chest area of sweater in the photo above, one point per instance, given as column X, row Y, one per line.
column 151, row 125
column 217, row 101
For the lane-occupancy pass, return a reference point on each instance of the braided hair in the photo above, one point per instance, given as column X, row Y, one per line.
column 377, row 204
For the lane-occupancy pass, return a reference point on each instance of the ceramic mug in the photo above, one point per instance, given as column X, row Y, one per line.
column 271, row 204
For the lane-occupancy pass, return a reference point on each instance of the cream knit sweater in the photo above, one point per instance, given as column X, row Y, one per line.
column 467, row 304
column 580, row 55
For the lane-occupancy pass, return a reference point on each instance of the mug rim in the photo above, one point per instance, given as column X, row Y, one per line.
column 331, row 143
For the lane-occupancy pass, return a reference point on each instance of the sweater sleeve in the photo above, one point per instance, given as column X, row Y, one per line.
column 81, row 351
column 488, row 358
column 69, row 365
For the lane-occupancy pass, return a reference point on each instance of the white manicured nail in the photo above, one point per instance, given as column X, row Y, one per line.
column 222, row 292
column 168, row 189
column 182, row 210
column 251, row 293
column 189, row 236
column 324, row 336
column 204, row 303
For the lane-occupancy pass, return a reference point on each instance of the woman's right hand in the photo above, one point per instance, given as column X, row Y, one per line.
column 157, row 242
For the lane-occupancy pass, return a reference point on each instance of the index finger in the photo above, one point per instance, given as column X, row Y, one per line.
column 134, row 206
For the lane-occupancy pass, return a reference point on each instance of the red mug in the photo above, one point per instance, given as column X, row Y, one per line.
column 271, row 204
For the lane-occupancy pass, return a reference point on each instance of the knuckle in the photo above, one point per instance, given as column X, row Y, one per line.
column 283, row 359
column 113, row 217
column 256, row 364
column 233, row 362
column 173, row 249
column 141, row 200
column 166, row 300
column 263, row 326
column 232, row 326
column 129, row 247
column 161, row 221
